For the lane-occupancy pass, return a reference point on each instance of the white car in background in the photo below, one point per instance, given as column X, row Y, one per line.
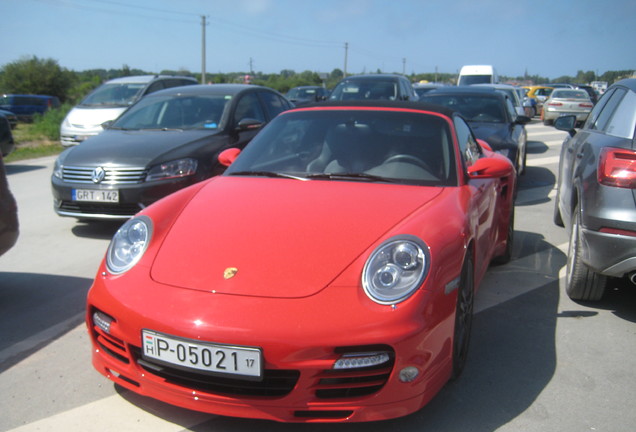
column 109, row 100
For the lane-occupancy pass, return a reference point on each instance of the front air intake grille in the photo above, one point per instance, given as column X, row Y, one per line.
column 122, row 210
column 275, row 383
column 111, row 345
column 355, row 382
column 112, row 176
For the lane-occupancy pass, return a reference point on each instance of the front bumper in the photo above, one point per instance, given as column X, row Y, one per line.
column 300, row 339
column 132, row 198
column 553, row 115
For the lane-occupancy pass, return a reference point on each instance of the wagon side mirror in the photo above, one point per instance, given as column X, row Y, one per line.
column 249, row 124
column 107, row 124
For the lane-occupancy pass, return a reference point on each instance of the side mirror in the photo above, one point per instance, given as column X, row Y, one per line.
column 107, row 124
column 521, row 119
column 490, row 167
column 566, row 123
column 483, row 144
column 249, row 124
column 228, row 156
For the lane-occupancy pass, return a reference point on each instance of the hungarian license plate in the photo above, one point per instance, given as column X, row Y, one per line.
column 90, row 195
column 214, row 358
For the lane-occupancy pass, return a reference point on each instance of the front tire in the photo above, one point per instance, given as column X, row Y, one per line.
column 556, row 215
column 463, row 317
column 581, row 283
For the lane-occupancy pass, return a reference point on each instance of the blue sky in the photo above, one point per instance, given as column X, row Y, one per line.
column 550, row 38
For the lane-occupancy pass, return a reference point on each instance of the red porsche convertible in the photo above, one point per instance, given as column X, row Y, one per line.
column 328, row 275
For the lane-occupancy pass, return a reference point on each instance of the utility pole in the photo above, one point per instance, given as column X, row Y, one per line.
column 345, row 62
column 203, row 79
column 404, row 66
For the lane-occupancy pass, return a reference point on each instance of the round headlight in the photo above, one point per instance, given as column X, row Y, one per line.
column 395, row 269
column 129, row 244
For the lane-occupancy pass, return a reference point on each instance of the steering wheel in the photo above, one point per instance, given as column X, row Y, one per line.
column 408, row 159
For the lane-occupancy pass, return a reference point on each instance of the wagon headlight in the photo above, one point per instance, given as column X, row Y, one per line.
column 395, row 269
column 172, row 169
column 129, row 244
column 57, row 169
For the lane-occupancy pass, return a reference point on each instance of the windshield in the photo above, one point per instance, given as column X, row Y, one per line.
column 365, row 89
column 174, row 112
column 474, row 79
column 307, row 93
column 570, row 94
column 474, row 108
column 114, row 95
column 353, row 145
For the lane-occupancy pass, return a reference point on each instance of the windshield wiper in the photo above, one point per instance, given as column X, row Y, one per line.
column 163, row 129
column 352, row 176
column 267, row 174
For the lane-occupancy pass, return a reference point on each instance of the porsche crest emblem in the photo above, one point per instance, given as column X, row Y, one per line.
column 230, row 272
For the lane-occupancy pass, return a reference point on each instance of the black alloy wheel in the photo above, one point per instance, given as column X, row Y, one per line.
column 463, row 316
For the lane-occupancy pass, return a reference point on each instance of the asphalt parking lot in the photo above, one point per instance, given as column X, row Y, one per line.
column 538, row 361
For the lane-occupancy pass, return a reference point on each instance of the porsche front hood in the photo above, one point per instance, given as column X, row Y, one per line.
column 278, row 237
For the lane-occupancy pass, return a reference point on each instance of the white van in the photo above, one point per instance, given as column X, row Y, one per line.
column 109, row 100
column 477, row 74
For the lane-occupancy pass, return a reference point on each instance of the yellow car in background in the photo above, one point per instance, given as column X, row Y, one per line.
column 539, row 94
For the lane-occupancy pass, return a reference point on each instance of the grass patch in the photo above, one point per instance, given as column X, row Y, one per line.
column 33, row 151
column 39, row 138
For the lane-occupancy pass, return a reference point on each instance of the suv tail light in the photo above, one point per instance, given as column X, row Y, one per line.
column 617, row 167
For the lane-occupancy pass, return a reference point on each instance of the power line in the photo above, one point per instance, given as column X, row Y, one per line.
column 75, row 5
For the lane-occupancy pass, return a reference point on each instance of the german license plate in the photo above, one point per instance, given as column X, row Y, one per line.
column 203, row 356
column 90, row 195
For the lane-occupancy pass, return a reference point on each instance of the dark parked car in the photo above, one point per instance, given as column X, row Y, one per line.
column 6, row 137
column 13, row 119
column 26, row 106
column 596, row 193
column 492, row 117
column 374, row 87
column 304, row 95
column 9, row 226
column 590, row 91
column 422, row 88
column 167, row 141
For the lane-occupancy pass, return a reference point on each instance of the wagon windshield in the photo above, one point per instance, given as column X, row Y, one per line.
column 353, row 145
column 174, row 113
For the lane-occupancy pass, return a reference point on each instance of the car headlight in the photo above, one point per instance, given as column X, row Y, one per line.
column 129, row 244
column 57, row 169
column 172, row 169
column 395, row 269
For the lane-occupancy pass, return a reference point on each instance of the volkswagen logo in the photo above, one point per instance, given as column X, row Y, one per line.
column 98, row 175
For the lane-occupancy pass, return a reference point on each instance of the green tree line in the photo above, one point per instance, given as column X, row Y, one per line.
column 32, row 75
